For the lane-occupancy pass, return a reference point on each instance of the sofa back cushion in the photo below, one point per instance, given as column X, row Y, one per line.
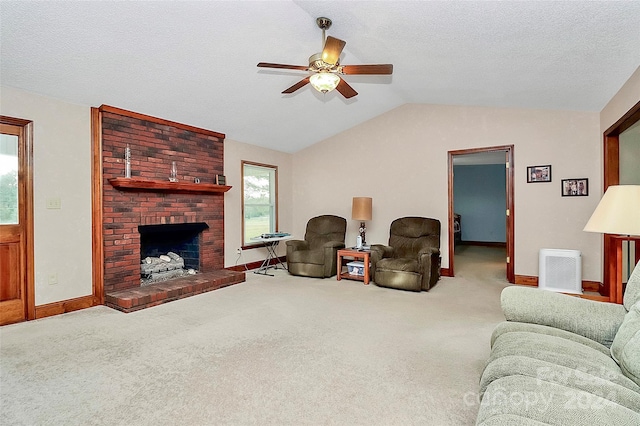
column 632, row 292
column 625, row 348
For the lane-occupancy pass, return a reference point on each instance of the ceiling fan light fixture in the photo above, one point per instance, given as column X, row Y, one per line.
column 324, row 82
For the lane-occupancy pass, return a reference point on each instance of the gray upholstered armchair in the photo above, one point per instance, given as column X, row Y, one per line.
column 411, row 261
column 316, row 255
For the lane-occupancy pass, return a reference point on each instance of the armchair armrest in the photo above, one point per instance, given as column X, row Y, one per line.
column 378, row 252
column 429, row 264
column 295, row 245
column 334, row 244
column 598, row 321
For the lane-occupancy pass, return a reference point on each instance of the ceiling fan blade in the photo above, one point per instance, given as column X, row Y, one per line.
column 297, row 86
column 283, row 66
column 332, row 50
column 379, row 69
column 346, row 90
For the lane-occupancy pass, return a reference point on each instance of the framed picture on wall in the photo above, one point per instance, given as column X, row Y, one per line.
column 578, row 187
column 538, row 174
column 221, row 180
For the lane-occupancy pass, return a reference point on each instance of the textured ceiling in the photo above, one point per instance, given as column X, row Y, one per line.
column 195, row 62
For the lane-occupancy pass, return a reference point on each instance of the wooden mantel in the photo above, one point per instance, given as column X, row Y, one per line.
column 166, row 186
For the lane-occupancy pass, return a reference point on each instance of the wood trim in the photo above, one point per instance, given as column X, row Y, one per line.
column 27, row 134
column 627, row 120
column 482, row 243
column 166, row 186
column 276, row 195
column 450, row 217
column 510, row 189
column 29, row 232
column 445, row 272
column 612, row 246
column 64, row 306
column 126, row 113
column 531, row 280
column 96, row 207
column 526, row 280
column 592, row 286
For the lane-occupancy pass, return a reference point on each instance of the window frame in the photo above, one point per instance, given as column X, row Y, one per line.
column 274, row 168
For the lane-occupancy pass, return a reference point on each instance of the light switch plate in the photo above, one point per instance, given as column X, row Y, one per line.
column 54, row 203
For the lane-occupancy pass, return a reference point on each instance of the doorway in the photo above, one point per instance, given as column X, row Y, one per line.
column 502, row 156
column 620, row 140
column 17, row 301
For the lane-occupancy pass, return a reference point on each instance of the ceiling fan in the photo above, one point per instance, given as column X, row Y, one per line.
column 325, row 68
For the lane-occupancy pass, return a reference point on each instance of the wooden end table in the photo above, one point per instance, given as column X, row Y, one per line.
column 356, row 255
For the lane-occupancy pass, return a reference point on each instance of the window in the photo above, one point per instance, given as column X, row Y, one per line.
column 8, row 179
column 259, row 198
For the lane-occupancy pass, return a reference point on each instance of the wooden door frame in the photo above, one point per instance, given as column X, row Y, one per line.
column 510, row 205
column 612, row 248
column 27, row 177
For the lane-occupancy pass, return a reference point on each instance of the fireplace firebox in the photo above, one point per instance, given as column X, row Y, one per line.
column 182, row 239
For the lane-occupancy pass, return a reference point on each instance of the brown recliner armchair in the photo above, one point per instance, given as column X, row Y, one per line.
column 411, row 261
column 316, row 255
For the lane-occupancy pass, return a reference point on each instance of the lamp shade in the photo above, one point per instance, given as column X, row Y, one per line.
column 361, row 208
column 324, row 81
column 618, row 211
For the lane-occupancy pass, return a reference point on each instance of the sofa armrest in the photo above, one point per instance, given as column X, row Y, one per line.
column 598, row 321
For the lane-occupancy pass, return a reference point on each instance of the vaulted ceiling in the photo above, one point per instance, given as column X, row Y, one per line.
column 195, row 62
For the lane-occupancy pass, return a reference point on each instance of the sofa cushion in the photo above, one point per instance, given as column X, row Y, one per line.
column 629, row 358
column 626, row 345
column 630, row 327
column 537, row 400
column 632, row 291
column 512, row 326
column 578, row 379
column 560, row 351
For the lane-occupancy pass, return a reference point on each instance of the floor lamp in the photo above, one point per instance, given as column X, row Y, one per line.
column 618, row 213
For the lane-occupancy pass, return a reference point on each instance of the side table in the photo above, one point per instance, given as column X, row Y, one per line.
column 356, row 255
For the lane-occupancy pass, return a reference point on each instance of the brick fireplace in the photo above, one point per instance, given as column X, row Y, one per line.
column 148, row 199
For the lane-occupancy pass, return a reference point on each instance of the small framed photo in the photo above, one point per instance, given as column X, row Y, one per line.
column 221, row 180
column 538, row 174
column 575, row 187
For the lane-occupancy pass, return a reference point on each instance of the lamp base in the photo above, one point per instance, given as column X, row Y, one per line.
column 363, row 230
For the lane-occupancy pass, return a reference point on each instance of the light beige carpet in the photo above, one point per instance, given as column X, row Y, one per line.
column 272, row 351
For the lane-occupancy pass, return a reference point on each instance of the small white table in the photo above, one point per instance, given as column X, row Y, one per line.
column 271, row 243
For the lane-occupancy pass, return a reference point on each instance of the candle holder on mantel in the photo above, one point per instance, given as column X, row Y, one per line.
column 174, row 172
column 127, row 162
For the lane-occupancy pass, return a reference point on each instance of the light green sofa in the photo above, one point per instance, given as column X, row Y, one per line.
column 563, row 360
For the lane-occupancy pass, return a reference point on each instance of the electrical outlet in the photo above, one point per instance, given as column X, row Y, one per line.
column 239, row 250
column 53, row 279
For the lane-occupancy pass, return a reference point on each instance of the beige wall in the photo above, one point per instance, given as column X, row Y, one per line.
column 234, row 153
column 627, row 97
column 62, row 168
column 400, row 159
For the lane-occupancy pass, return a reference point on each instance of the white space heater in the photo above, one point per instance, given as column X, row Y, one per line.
column 560, row 270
